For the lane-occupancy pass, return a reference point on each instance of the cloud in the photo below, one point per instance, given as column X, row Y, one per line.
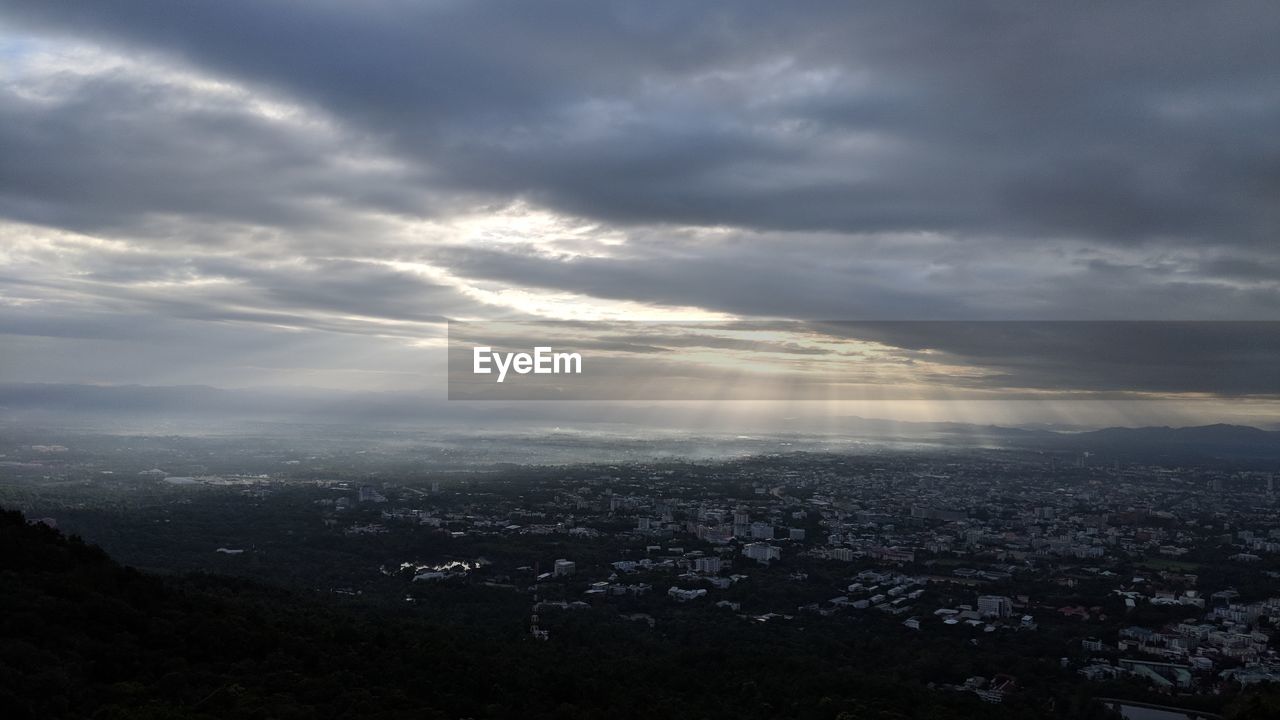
column 1120, row 123
column 1209, row 357
column 885, row 278
column 364, row 170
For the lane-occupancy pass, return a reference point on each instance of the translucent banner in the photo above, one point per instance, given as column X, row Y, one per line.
column 861, row 360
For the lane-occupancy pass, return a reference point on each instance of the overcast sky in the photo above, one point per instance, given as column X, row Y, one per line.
column 296, row 193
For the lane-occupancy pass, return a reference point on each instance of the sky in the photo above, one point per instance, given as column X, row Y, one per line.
column 284, row 194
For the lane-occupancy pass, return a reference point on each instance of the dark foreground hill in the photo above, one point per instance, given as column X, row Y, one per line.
column 81, row 636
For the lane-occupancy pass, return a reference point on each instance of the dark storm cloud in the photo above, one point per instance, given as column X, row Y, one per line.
column 823, row 278
column 739, row 279
column 1115, row 122
column 1228, row 358
column 108, row 153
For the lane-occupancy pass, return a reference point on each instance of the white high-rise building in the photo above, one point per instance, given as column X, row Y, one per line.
column 564, row 568
column 762, row 552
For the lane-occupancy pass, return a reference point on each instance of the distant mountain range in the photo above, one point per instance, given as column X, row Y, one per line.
column 1114, row 442
column 1219, row 439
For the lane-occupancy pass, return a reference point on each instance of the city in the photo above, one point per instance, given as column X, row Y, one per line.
column 1157, row 584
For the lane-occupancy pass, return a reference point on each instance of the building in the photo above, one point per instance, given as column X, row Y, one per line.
column 894, row 554
column 761, row 531
column 762, row 552
column 681, row 595
column 708, row 565
column 717, row 535
column 564, row 568
column 995, row 606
